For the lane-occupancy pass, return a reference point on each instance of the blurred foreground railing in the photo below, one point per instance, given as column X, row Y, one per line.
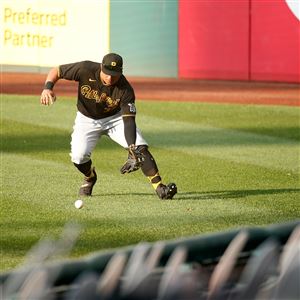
column 249, row 263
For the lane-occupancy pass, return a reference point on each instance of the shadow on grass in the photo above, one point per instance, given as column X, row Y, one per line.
column 231, row 194
column 47, row 142
column 210, row 195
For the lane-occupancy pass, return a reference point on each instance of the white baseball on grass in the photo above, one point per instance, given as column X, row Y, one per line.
column 78, row 203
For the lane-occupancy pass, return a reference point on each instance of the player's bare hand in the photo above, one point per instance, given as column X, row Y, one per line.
column 48, row 97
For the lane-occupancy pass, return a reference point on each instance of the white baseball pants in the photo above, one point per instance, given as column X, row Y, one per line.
column 87, row 132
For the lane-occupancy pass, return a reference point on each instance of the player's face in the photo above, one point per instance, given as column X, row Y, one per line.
column 108, row 79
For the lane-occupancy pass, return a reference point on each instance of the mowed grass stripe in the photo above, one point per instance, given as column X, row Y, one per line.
column 116, row 218
column 186, row 136
column 194, row 166
column 281, row 121
column 27, row 109
column 234, row 145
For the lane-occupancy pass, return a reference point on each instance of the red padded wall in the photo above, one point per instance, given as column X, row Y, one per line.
column 214, row 39
column 238, row 39
column 275, row 42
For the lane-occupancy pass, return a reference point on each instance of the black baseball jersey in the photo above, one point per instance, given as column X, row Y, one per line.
column 95, row 100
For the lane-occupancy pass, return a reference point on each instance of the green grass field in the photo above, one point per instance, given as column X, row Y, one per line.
column 235, row 166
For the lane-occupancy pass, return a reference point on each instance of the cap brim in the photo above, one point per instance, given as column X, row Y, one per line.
column 111, row 72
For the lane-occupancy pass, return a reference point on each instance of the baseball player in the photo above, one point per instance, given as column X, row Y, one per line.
column 106, row 106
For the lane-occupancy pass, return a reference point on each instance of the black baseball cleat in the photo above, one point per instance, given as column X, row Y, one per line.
column 166, row 191
column 88, row 184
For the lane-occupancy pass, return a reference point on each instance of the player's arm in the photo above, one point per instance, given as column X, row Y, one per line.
column 48, row 96
column 135, row 157
column 129, row 129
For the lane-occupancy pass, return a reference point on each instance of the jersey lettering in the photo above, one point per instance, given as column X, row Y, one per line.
column 89, row 93
column 109, row 103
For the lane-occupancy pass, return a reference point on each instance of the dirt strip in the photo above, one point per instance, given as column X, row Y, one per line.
column 171, row 89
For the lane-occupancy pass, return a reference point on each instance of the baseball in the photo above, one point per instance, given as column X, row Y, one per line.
column 78, row 204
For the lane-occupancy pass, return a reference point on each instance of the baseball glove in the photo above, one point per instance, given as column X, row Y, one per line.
column 134, row 161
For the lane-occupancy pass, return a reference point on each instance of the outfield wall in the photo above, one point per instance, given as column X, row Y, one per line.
column 243, row 40
column 145, row 32
column 208, row 39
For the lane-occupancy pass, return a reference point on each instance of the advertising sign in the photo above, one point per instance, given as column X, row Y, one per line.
column 50, row 32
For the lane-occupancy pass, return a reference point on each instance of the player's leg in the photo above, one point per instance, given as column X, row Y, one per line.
column 150, row 170
column 83, row 141
column 149, row 166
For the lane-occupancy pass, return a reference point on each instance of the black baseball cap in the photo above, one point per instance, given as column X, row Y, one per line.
column 112, row 64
